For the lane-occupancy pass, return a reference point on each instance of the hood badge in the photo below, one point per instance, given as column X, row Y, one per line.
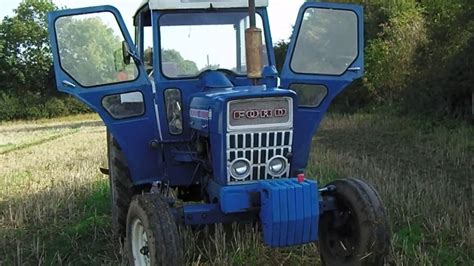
column 255, row 113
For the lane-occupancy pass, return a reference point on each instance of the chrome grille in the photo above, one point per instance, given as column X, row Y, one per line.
column 257, row 148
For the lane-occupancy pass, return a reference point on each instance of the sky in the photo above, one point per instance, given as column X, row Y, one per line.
column 282, row 13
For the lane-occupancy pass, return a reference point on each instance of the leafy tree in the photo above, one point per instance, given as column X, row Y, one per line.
column 280, row 53
column 24, row 45
column 2, row 43
column 87, row 46
column 170, row 56
column 390, row 58
column 418, row 57
column 184, row 67
column 446, row 62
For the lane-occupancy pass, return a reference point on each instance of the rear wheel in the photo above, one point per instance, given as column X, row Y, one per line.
column 120, row 186
column 358, row 232
column 152, row 234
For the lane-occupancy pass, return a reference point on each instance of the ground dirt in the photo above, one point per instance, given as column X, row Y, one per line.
column 55, row 204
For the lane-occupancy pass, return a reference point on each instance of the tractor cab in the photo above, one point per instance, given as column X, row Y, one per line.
column 201, row 38
column 197, row 112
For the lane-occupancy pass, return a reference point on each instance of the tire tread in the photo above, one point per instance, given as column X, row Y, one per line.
column 120, row 185
column 163, row 238
column 375, row 234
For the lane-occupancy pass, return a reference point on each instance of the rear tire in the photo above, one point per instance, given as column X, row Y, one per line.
column 121, row 186
column 358, row 232
column 152, row 234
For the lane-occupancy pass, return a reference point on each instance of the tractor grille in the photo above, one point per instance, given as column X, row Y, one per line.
column 258, row 148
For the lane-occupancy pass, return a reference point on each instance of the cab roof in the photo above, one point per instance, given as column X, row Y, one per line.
column 199, row 4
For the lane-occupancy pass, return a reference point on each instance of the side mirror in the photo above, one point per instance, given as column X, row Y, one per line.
column 126, row 53
column 122, row 57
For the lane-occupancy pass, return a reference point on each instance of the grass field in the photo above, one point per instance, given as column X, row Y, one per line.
column 54, row 203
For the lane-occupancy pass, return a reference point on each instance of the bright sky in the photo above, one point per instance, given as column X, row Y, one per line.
column 282, row 14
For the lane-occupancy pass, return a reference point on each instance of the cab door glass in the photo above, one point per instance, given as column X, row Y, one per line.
column 309, row 95
column 174, row 111
column 148, row 49
column 194, row 42
column 124, row 105
column 91, row 49
column 327, row 43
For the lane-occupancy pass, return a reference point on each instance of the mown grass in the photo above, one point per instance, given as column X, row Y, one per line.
column 23, row 134
column 54, row 203
column 424, row 172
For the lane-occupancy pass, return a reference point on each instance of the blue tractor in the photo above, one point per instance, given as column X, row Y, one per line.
column 202, row 129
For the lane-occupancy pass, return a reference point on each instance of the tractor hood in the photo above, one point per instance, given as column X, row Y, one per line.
column 208, row 110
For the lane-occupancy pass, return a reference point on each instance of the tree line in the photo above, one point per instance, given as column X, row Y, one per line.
column 419, row 60
column 27, row 89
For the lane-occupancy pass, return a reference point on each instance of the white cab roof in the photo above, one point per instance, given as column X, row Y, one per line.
column 197, row 4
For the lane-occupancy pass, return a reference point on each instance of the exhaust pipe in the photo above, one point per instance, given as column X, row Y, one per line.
column 253, row 44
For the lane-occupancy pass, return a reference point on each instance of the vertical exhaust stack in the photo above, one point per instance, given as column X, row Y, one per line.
column 253, row 44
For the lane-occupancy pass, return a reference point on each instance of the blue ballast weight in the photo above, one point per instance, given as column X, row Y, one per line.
column 289, row 212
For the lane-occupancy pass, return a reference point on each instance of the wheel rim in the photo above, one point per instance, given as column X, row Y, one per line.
column 140, row 249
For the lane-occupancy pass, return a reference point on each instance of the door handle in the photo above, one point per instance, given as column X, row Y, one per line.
column 68, row 84
column 354, row 68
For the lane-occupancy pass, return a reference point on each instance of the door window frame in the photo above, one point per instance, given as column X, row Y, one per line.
column 137, row 64
column 298, row 31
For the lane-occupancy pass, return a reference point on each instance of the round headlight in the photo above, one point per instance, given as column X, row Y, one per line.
column 240, row 169
column 277, row 166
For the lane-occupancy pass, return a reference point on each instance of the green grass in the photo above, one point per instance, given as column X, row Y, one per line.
column 69, row 238
column 424, row 173
column 54, row 203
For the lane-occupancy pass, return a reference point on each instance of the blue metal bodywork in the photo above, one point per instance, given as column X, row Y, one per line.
column 288, row 210
column 307, row 120
column 215, row 102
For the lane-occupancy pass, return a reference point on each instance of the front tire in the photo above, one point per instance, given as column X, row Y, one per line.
column 357, row 233
column 152, row 234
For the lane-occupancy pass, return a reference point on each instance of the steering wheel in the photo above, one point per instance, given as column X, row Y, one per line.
column 229, row 73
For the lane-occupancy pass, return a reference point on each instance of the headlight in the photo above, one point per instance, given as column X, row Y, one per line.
column 240, row 168
column 277, row 166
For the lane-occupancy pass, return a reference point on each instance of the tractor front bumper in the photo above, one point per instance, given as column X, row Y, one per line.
column 287, row 209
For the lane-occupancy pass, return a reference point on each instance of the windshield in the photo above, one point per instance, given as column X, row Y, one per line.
column 194, row 42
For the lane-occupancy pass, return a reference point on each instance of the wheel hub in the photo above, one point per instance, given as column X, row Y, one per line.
column 144, row 251
column 140, row 250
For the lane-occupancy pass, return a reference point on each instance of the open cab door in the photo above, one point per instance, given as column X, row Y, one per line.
column 325, row 55
column 96, row 61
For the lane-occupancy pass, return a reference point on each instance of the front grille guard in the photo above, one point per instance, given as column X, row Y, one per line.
column 258, row 148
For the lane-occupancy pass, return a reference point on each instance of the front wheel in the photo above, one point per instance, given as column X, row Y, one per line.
column 357, row 233
column 152, row 234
